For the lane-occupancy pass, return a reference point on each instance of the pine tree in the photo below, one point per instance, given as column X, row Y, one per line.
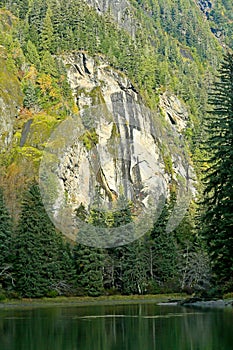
column 6, row 232
column 41, row 264
column 217, row 220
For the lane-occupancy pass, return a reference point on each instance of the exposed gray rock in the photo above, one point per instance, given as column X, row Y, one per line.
column 8, row 114
column 10, row 101
column 175, row 112
column 208, row 303
column 119, row 145
column 137, row 151
column 120, row 10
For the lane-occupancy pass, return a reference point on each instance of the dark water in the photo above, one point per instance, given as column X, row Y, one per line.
column 131, row 327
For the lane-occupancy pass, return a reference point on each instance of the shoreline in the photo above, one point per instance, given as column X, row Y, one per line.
column 218, row 304
column 157, row 299
column 92, row 301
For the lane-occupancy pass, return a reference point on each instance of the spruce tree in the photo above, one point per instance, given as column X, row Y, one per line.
column 217, row 220
column 128, row 271
column 134, row 268
column 6, row 231
column 162, row 254
column 89, row 260
column 89, row 269
column 46, row 37
column 48, row 64
column 32, row 54
column 41, row 264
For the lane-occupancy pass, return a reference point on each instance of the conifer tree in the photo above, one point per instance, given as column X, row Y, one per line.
column 41, row 265
column 48, row 64
column 6, row 231
column 134, row 268
column 163, row 251
column 46, row 37
column 32, row 54
column 89, row 269
column 217, row 220
column 128, row 273
column 89, row 260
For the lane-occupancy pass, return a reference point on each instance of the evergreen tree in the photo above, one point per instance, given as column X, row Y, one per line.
column 125, row 269
column 41, row 264
column 48, row 64
column 217, row 220
column 134, row 268
column 30, row 96
column 46, row 37
column 163, row 254
column 6, row 231
column 89, row 269
column 32, row 54
column 89, row 260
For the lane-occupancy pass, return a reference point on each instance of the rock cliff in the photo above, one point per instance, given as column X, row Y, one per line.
column 10, row 100
column 121, row 11
column 116, row 146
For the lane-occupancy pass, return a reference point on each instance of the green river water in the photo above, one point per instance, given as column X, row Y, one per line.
column 116, row 327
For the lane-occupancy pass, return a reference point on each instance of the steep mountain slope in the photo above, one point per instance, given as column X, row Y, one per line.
column 220, row 16
column 160, row 48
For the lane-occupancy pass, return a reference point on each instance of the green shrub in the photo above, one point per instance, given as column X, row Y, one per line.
column 52, row 294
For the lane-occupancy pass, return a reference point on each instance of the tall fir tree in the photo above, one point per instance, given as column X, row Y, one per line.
column 41, row 264
column 89, row 269
column 46, row 37
column 217, row 220
column 32, row 54
column 6, row 237
column 90, row 260
column 134, row 268
column 162, row 254
column 125, row 269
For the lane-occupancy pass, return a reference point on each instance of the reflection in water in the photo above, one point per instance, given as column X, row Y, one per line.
column 130, row 327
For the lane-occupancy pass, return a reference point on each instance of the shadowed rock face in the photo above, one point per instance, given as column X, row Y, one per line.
column 175, row 112
column 10, row 100
column 120, row 10
column 120, row 150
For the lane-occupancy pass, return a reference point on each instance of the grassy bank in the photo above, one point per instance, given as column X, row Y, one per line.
column 85, row 301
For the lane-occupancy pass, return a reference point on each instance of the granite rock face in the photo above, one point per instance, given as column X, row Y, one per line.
column 175, row 112
column 10, row 100
column 116, row 144
column 120, row 10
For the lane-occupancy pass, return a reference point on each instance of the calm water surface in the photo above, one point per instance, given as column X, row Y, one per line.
column 130, row 327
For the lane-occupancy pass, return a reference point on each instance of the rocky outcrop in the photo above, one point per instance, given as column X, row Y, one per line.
column 10, row 100
column 199, row 302
column 206, row 7
column 116, row 144
column 120, row 10
column 175, row 112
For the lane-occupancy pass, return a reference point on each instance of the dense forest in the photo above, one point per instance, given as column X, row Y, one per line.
column 168, row 46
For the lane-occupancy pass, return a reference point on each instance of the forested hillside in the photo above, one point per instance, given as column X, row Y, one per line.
column 161, row 54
